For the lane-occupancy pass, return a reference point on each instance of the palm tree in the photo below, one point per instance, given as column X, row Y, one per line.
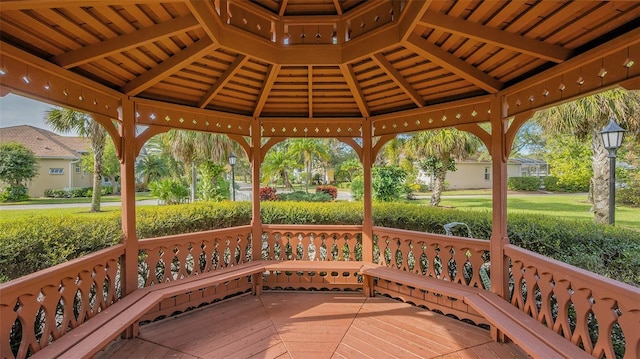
column 585, row 118
column 66, row 120
column 191, row 148
column 152, row 167
column 308, row 149
column 442, row 147
column 278, row 163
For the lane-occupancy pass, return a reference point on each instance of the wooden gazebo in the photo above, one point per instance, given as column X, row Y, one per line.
column 261, row 71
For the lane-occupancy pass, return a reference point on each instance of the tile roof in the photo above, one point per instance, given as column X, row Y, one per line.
column 45, row 143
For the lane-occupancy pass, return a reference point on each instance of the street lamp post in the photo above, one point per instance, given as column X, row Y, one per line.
column 612, row 138
column 232, row 162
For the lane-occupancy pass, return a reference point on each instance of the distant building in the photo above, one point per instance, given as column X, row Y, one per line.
column 58, row 158
column 476, row 174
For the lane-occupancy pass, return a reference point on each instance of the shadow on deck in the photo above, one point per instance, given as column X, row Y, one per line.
column 311, row 325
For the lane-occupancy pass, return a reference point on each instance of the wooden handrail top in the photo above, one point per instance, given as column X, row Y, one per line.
column 442, row 239
column 315, row 228
column 192, row 237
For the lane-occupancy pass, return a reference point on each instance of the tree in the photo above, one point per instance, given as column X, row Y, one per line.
column 110, row 164
column 445, row 146
column 388, row 183
column 585, row 118
column 152, row 167
column 277, row 164
column 568, row 158
column 18, row 165
column 66, row 120
column 309, row 149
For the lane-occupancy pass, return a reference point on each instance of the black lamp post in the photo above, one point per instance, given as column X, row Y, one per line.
column 232, row 162
column 612, row 138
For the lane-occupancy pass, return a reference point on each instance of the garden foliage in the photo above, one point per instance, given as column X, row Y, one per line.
column 33, row 244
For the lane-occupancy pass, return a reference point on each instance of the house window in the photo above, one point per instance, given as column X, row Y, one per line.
column 487, row 173
column 56, row 171
column 78, row 169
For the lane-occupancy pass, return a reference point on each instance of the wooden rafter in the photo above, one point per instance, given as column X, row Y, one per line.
column 395, row 75
column 235, row 66
column 354, row 86
column 336, row 3
column 125, row 42
column 272, row 75
column 168, row 67
column 48, row 4
column 283, row 7
column 452, row 63
column 211, row 23
column 410, row 15
column 495, row 36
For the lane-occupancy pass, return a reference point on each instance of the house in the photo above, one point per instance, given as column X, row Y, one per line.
column 473, row 173
column 58, row 158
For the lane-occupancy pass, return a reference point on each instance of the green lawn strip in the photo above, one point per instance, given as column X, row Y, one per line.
column 559, row 206
column 110, row 198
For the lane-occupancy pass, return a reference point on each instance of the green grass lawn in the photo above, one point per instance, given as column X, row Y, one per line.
column 574, row 206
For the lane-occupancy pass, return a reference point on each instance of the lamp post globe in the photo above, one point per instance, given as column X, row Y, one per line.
column 612, row 136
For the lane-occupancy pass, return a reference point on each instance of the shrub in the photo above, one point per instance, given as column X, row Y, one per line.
column 357, row 188
column 76, row 192
column 524, row 183
column 142, row 187
column 14, row 193
column 629, row 196
column 330, row 190
column 56, row 193
column 551, row 183
column 169, row 191
column 388, row 183
column 301, row 196
column 268, row 194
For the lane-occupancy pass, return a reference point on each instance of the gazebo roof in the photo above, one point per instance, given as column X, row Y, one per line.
column 328, row 60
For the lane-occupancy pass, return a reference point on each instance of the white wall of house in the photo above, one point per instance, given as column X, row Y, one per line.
column 471, row 175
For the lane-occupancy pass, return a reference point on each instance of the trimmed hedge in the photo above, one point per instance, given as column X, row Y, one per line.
column 524, row 183
column 37, row 243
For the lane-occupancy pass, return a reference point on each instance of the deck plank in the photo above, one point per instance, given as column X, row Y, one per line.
column 310, row 325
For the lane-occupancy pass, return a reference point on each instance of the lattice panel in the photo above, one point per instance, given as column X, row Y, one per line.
column 425, row 119
column 57, row 87
column 187, row 118
column 312, row 128
column 582, row 79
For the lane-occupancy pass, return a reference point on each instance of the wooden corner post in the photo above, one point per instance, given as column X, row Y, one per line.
column 256, row 221
column 129, row 265
column 367, row 164
column 499, row 155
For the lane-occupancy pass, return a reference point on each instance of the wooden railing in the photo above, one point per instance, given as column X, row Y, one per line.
column 600, row 315
column 595, row 313
column 41, row 307
column 323, row 243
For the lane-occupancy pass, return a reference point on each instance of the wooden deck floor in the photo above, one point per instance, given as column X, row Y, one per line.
column 311, row 325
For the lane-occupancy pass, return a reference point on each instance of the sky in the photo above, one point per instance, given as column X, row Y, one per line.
column 17, row 110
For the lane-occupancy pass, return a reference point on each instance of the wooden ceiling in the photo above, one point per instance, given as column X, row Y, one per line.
column 320, row 59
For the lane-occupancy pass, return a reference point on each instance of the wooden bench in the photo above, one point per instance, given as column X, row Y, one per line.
column 533, row 337
column 529, row 334
column 93, row 335
column 316, row 267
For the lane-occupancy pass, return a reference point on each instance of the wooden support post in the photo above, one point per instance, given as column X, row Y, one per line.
column 367, row 163
column 256, row 159
column 499, row 155
column 129, row 265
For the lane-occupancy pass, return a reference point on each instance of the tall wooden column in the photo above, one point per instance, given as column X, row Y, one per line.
column 256, row 160
column 367, row 164
column 499, row 155
column 129, row 266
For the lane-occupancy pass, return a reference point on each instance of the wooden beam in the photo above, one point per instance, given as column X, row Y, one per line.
column 207, row 17
column 495, row 36
column 125, row 42
column 272, row 75
column 310, row 92
column 452, row 63
column 409, row 17
column 336, row 3
column 354, row 86
column 50, row 4
column 235, row 66
column 283, row 7
column 395, row 75
column 168, row 67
